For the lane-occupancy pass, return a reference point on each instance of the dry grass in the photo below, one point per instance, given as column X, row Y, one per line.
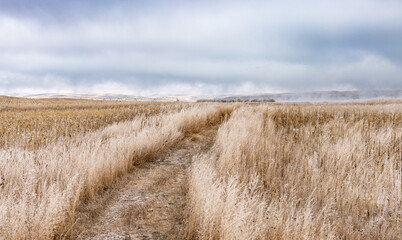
column 25, row 102
column 301, row 171
column 41, row 187
column 276, row 171
column 35, row 126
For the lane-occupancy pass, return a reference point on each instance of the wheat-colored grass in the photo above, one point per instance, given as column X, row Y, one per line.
column 276, row 171
column 6, row 101
column 40, row 188
column 301, row 171
column 33, row 126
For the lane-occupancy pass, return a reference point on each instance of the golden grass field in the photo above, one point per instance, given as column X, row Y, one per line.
column 41, row 185
column 275, row 171
column 301, row 171
column 31, row 123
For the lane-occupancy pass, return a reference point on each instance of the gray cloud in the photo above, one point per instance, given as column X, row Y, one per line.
column 150, row 47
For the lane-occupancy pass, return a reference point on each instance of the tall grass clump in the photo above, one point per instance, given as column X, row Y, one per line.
column 41, row 188
column 301, row 171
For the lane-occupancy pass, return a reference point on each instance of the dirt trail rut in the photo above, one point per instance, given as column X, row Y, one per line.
column 148, row 203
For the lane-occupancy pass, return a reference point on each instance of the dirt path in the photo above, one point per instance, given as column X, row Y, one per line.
column 148, row 203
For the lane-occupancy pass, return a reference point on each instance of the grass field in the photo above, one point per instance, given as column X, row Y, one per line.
column 275, row 171
column 301, row 171
column 91, row 145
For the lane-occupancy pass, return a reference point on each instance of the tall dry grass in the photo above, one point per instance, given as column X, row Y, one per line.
column 33, row 126
column 301, row 171
column 41, row 188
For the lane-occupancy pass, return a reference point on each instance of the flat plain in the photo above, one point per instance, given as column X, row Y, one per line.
column 119, row 170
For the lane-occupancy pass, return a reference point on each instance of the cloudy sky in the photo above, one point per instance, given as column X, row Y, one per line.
column 155, row 47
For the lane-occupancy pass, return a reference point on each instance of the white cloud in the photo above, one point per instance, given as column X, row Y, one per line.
column 218, row 47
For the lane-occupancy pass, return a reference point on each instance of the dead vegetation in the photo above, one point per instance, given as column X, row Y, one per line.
column 34, row 126
column 6, row 101
column 275, row 171
column 42, row 187
column 301, row 171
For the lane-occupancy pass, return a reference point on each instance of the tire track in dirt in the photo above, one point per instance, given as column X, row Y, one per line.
column 148, row 203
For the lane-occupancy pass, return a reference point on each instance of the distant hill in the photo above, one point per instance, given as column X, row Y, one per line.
column 111, row 97
column 320, row 96
column 316, row 96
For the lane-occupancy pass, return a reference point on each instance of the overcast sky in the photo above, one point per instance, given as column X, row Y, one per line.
column 207, row 47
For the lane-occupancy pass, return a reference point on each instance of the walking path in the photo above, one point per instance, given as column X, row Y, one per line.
column 148, row 203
